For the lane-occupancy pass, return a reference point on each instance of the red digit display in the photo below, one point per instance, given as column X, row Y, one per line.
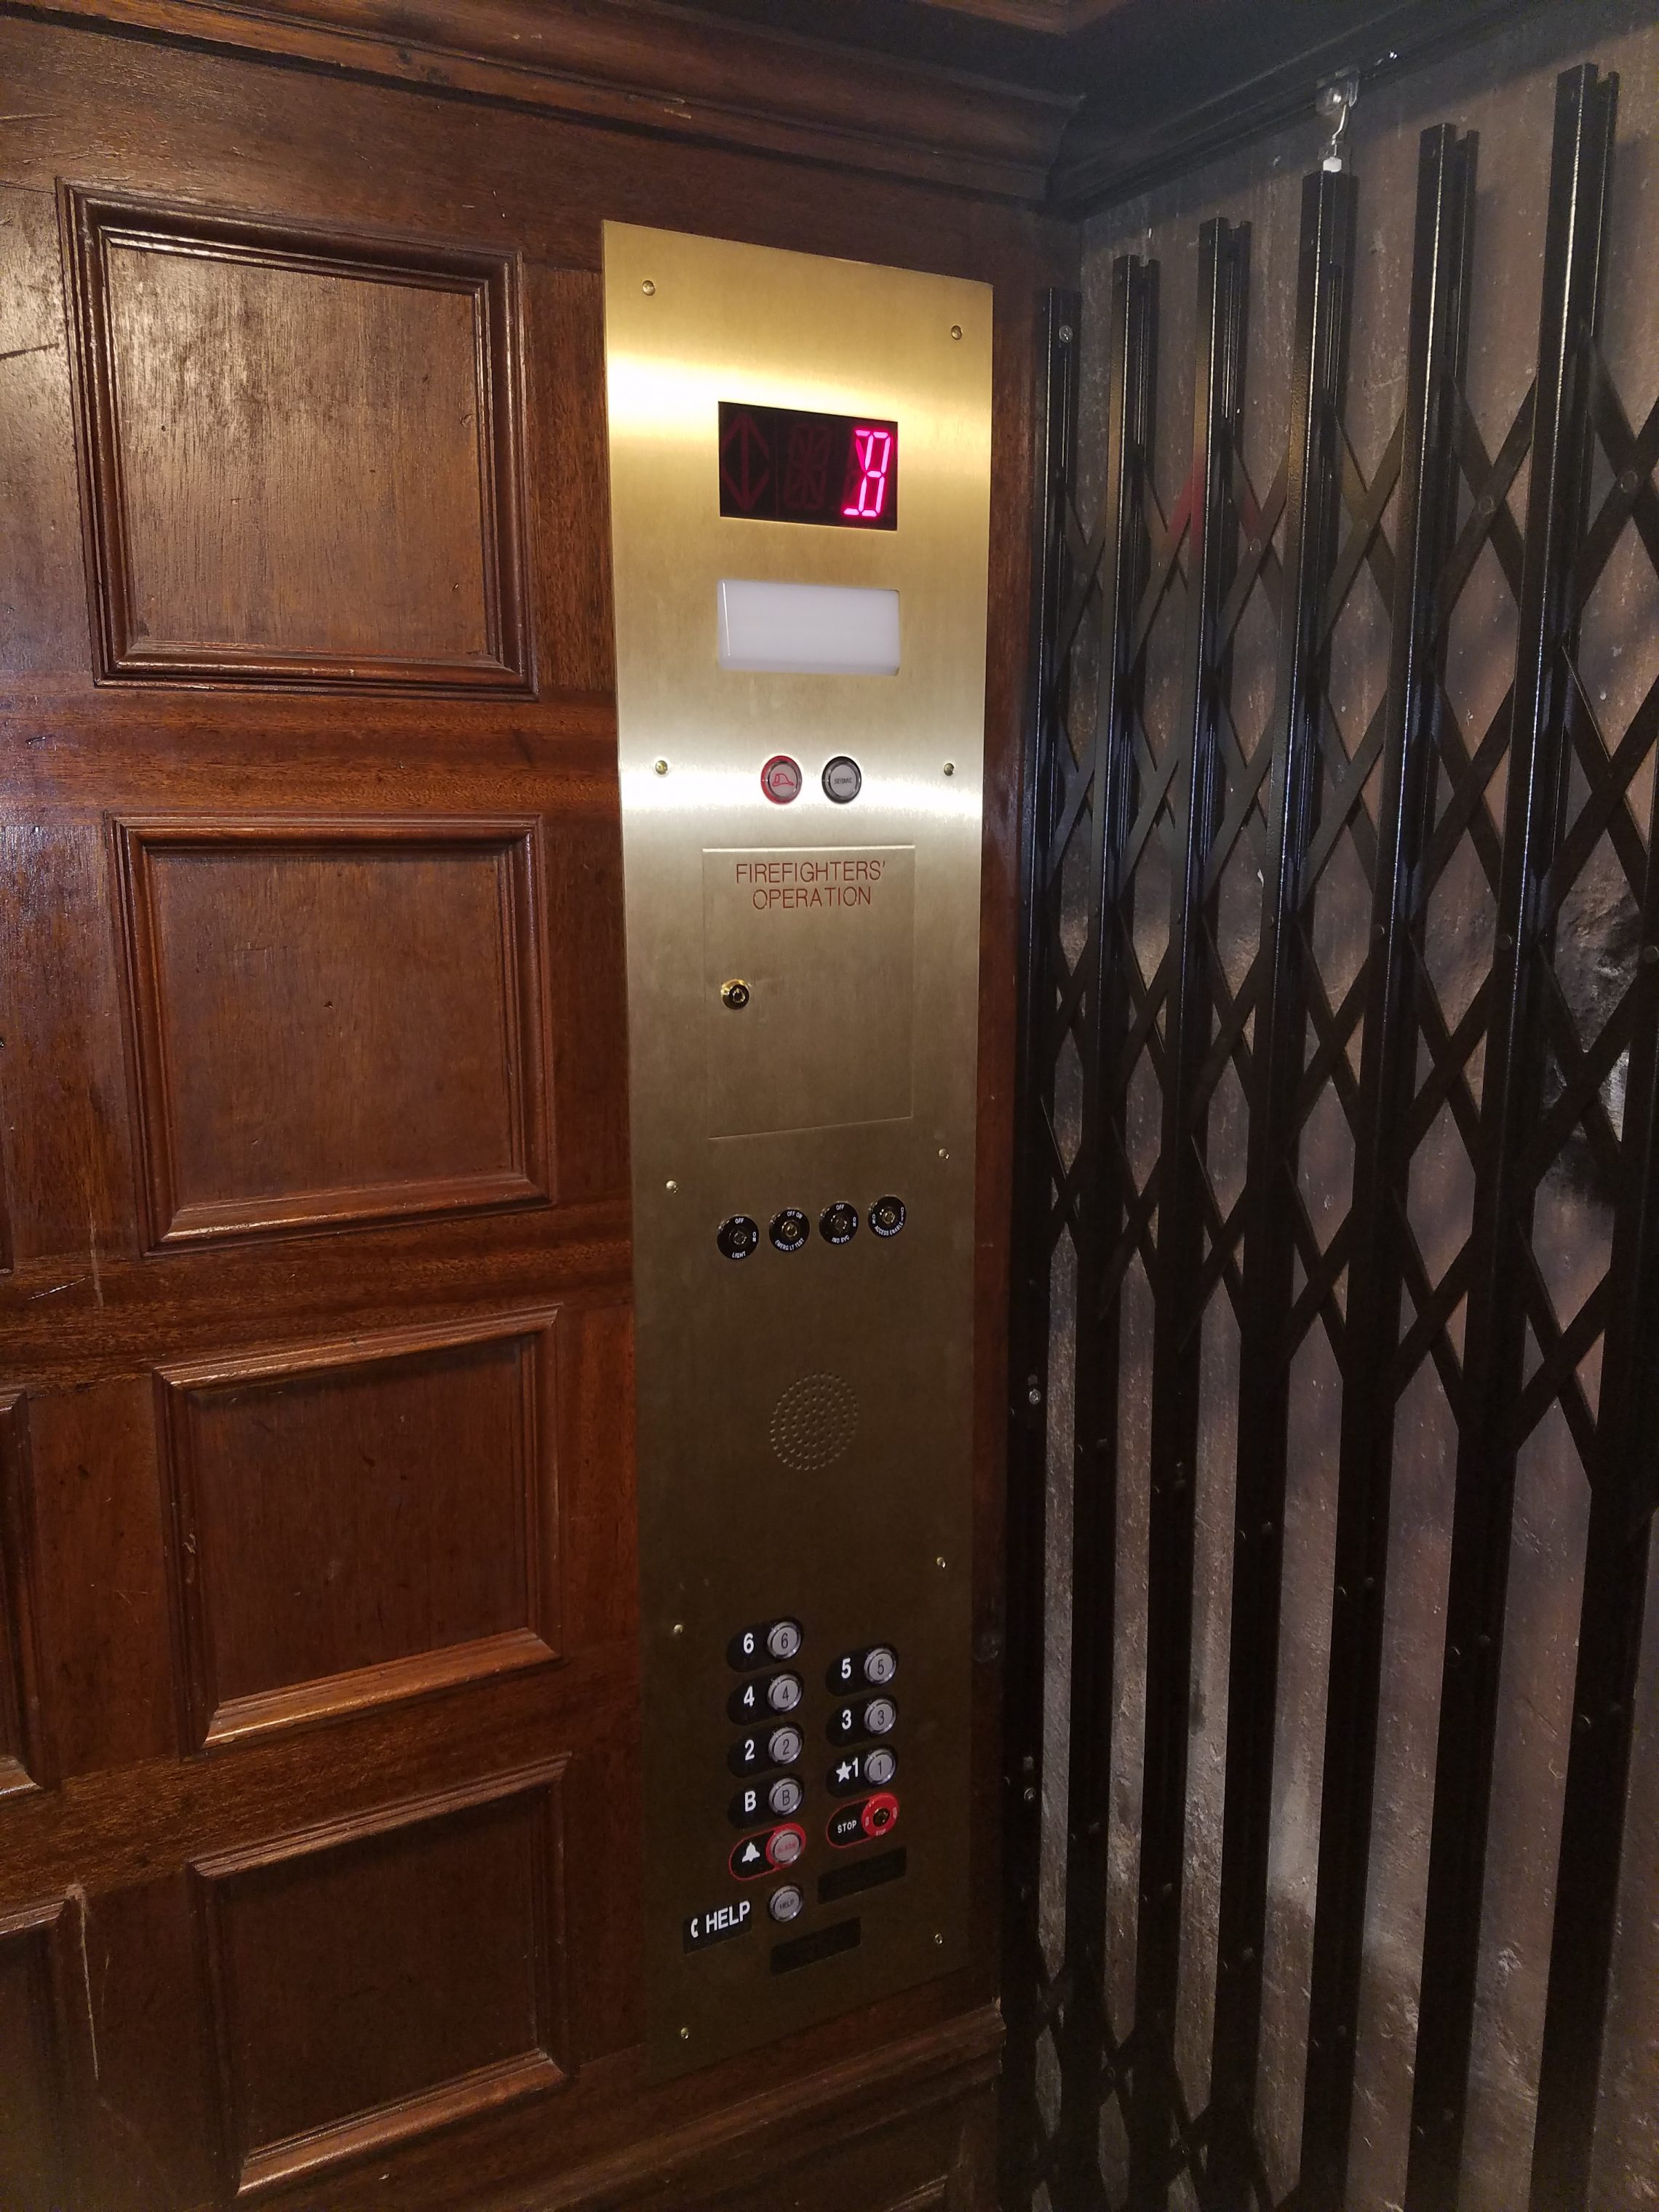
column 787, row 465
column 868, row 472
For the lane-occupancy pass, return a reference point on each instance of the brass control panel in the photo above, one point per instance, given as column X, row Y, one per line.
column 800, row 479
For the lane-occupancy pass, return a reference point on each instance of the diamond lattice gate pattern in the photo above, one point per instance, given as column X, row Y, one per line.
column 1335, row 1416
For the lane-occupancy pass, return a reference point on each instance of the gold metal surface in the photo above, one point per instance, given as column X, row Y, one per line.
column 804, row 1417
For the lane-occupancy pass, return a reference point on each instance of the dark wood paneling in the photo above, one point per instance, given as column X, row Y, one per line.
column 197, row 868
column 643, row 64
column 382, row 1977
column 361, row 1520
column 25, row 1761
column 42, row 2087
column 334, row 1021
column 301, row 451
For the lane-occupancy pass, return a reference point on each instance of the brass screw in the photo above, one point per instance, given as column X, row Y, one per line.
column 949, row 768
column 955, row 330
column 649, row 288
column 661, row 767
column 670, row 1185
column 679, row 1628
column 685, row 2032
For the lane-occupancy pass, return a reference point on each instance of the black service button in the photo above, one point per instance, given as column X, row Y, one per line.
column 838, row 1224
column 790, row 1229
column 843, row 779
column 738, row 1237
column 887, row 1216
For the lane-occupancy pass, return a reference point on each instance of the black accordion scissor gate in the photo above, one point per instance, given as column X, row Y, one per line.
column 1204, row 987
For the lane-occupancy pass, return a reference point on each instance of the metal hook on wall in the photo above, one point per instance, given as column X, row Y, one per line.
column 1334, row 101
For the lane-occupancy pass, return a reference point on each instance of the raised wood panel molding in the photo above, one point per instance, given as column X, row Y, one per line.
column 25, row 1761
column 301, row 453
column 334, row 1021
column 377, row 1978
column 657, row 68
column 43, row 2051
column 362, row 1520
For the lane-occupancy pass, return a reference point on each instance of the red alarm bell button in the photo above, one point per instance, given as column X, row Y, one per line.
column 780, row 779
column 785, row 1845
column 880, row 1813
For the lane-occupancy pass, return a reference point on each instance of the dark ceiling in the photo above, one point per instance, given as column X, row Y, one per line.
column 1157, row 83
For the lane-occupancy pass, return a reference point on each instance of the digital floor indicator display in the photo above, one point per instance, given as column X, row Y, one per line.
column 801, row 650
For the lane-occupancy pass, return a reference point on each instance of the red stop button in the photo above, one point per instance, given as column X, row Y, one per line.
column 880, row 1813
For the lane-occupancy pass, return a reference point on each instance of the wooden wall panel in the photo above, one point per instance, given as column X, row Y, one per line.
column 361, row 1520
column 41, row 2095
column 302, row 451
column 25, row 1754
column 317, row 1943
column 335, row 1020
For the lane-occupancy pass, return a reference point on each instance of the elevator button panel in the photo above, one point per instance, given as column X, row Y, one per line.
column 801, row 662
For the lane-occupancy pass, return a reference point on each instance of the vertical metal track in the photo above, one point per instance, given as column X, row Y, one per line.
column 1104, row 1191
column 1624, row 1475
column 1313, row 499
column 1445, row 206
column 1025, row 1996
column 1609, row 1626
column 1175, row 1349
column 1511, row 1091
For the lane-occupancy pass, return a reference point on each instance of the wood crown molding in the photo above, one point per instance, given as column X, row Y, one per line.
column 668, row 69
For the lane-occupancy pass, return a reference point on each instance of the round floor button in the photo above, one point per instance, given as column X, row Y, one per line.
column 881, row 1764
column 786, row 1903
column 790, row 1230
column 879, row 1716
column 842, row 780
column 781, row 778
column 786, row 1796
column 880, row 1665
column 838, row 1224
column 738, row 1237
column 783, row 1638
column 785, row 1845
column 783, row 1693
column 784, row 1745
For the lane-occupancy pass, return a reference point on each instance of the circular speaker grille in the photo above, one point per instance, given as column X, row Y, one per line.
column 814, row 1421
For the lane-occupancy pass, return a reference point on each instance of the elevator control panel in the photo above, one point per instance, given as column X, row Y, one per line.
column 800, row 486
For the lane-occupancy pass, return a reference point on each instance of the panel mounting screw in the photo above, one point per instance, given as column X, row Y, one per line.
column 955, row 330
column 670, row 1185
column 685, row 2032
column 938, row 1939
column 735, row 993
column 649, row 288
column 949, row 768
column 940, row 1561
column 679, row 1628
column 660, row 767
column 943, row 1153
